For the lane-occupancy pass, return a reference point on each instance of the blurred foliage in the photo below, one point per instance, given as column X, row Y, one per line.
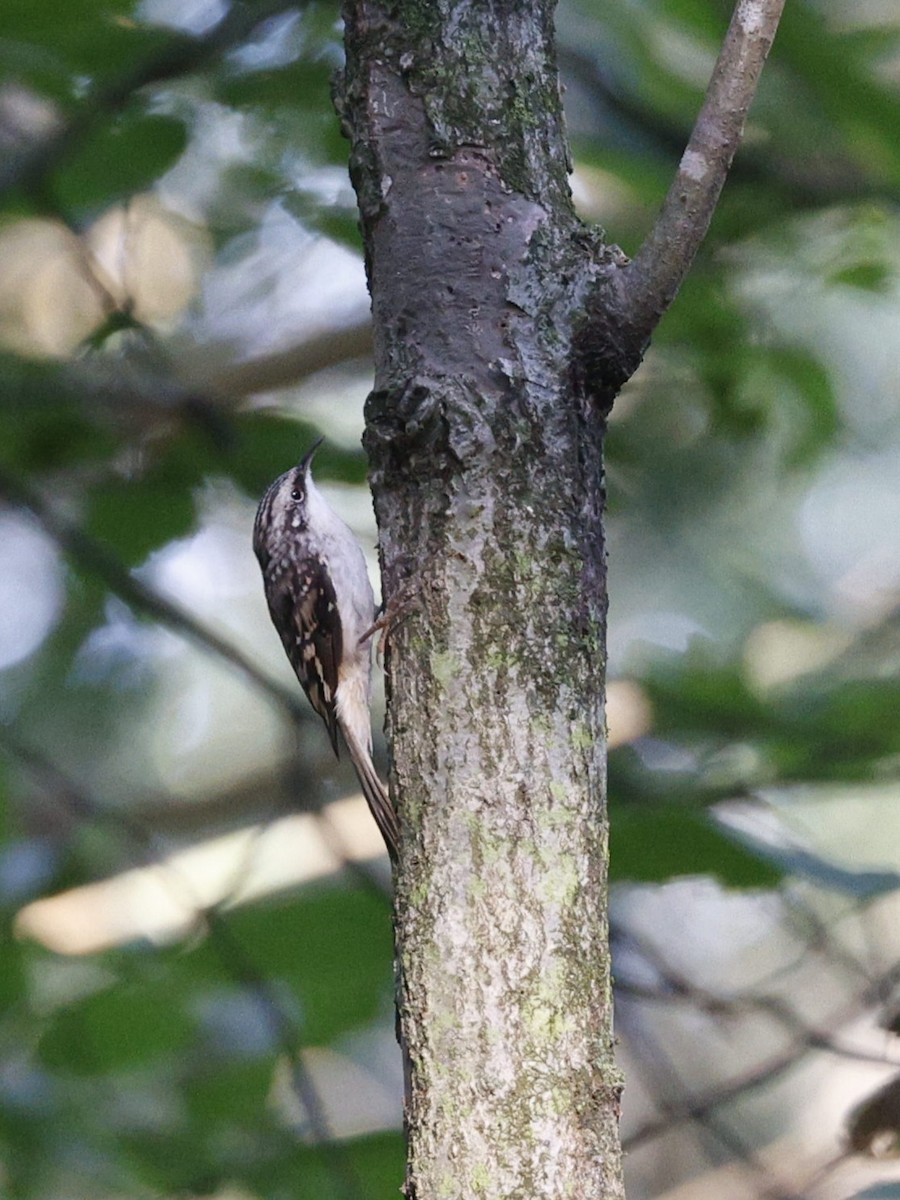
column 150, row 1070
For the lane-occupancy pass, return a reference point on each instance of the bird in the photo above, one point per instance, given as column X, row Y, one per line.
column 322, row 606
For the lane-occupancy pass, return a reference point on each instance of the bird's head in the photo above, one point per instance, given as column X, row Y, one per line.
column 283, row 510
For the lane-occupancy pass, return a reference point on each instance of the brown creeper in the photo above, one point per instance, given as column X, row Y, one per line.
column 322, row 606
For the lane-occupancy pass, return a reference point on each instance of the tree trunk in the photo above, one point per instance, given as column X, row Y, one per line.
column 503, row 329
column 487, row 473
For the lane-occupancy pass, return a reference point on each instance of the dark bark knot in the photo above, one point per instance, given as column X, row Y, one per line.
column 606, row 352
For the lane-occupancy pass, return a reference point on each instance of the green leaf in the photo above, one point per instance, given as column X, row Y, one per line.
column 228, row 1094
column 293, row 102
column 13, row 978
column 45, row 422
column 867, row 276
column 263, row 445
column 135, row 517
column 331, row 949
column 58, row 48
column 123, row 156
column 339, row 224
column 811, row 384
column 381, row 1160
column 173, row 1162
column 654, row 842
column 365, row 1167
column 29, row 1139
column 121, row 1027
column 843, row 83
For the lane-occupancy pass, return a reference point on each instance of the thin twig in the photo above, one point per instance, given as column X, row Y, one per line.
column 656, row 1062
column 802, row 1040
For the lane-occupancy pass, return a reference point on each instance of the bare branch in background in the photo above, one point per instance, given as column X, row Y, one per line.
column 803, row 1036
column 287, row 368
column 98, row 561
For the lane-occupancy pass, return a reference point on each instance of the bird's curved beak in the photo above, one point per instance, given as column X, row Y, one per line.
column 306, row 460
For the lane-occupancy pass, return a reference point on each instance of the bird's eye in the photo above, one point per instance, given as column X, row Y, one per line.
column 296, row 494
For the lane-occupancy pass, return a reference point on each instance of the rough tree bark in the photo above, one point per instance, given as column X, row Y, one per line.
column 503, row 329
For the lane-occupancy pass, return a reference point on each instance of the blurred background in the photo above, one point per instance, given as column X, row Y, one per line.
column 196, row 979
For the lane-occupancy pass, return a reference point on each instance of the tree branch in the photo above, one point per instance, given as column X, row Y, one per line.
column 803, row 1040
column 651, row 281
column 276, row 369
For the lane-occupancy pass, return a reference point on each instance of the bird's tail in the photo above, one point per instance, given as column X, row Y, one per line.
column 375, row 793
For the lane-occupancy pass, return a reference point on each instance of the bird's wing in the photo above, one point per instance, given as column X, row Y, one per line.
column 312, row 636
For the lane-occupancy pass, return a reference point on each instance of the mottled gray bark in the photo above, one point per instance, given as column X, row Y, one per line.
column 500, row 338
column 488, row 482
